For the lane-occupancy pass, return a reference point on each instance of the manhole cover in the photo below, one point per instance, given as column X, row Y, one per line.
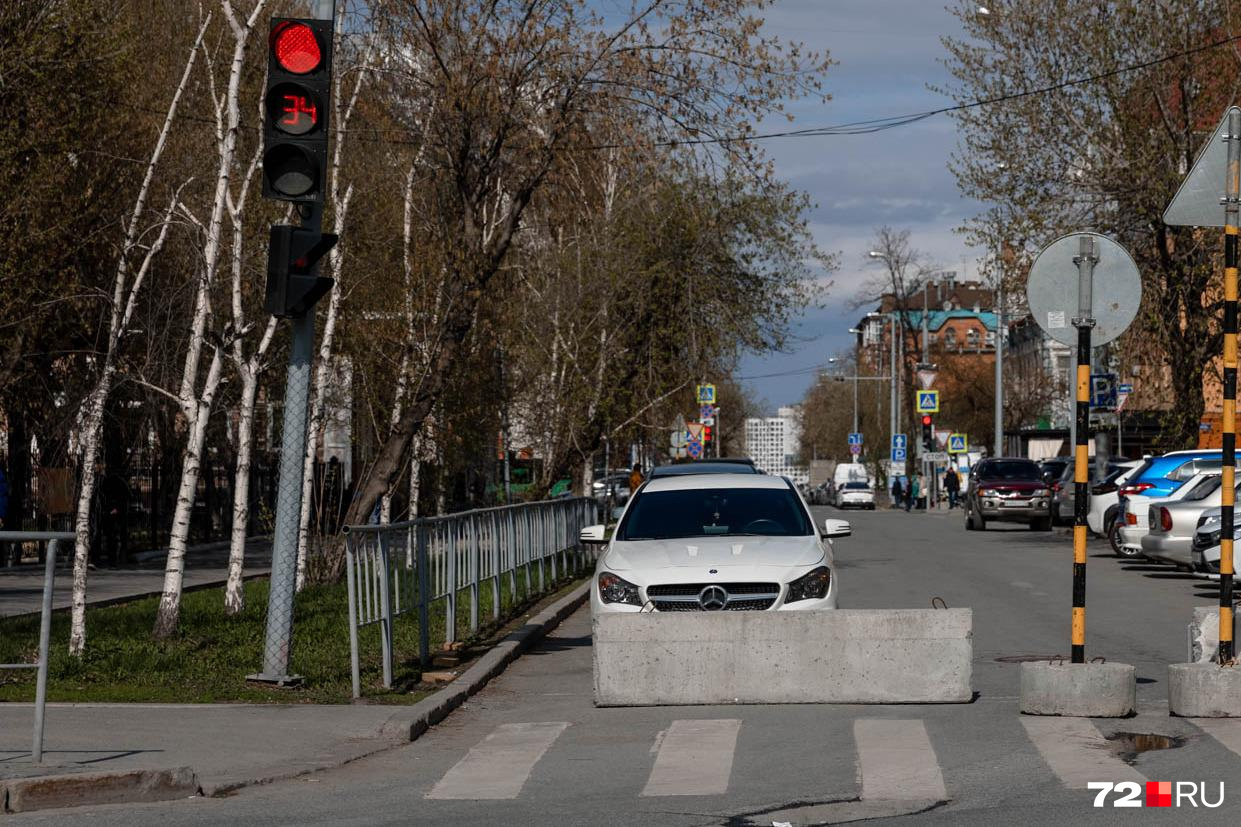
column 1028, row 658
column 1129, row 745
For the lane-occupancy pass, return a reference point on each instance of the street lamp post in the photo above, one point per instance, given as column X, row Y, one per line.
column 857, row 350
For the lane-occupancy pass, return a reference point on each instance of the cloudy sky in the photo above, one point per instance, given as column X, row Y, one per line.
column 887, row 52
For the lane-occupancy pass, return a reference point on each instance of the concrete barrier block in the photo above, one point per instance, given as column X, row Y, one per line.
column 1204, row 690
column 840, row 656
column 1204, row 634
column 1084, row 690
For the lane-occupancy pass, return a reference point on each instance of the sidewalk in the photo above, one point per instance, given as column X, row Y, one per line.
column 21, row 587
column 221, row 746
column 113, row 753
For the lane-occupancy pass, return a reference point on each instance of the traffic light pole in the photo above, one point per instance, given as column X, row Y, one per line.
column 279, row 631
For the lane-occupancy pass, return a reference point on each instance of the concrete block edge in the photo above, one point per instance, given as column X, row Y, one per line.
column 47, row 792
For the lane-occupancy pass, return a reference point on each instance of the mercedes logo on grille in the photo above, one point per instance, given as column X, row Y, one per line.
column 713, row 598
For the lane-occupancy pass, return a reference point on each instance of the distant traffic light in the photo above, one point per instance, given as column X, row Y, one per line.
column 928, row 434
column 292, row 286
column 296, row 106
column 706, row 434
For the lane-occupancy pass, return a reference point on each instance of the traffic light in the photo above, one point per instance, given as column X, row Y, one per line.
column 292, row 286
column 296, row 106
column 706, row 434
column 928, row 434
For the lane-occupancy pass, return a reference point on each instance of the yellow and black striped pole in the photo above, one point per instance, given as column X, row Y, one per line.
column 1085, row 261
column 1228, row 481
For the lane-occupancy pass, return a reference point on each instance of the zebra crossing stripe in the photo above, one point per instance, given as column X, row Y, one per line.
column 897, row 761
column 1076, row 752
column 499, row 766
column 695, row 758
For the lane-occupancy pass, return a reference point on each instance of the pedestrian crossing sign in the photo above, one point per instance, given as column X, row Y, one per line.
column 706, row 394
column 957, row 443
column 928, row 402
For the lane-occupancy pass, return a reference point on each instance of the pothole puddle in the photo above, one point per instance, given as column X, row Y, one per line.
column 1129, row 745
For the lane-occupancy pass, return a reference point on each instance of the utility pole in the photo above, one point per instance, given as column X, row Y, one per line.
column 1000, row 332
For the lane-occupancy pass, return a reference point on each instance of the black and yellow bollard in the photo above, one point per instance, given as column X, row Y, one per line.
column 1085, row 261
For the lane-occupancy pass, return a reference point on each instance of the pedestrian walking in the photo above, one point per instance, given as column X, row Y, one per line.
column 952, row 484
column 911, row 496
column 896, row 492
column 920, row 484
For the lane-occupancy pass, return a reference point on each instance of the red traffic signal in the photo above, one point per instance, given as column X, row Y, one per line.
column 706, row 433
column 295, row 46
column 926, row 419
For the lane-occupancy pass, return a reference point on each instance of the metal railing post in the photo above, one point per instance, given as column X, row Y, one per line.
column 351, row 584
column 494, row 534
column 45, row 642
column 475, row 561
column 450, row 609
column 421, row 560
column 385, row 608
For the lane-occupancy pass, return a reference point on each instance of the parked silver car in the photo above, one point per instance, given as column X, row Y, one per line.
column 1172, row 524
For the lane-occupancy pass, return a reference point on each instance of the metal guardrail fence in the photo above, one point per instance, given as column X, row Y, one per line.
column 401, row 568
column 53, row 539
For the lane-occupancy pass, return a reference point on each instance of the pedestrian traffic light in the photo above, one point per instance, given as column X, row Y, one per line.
column 928, row 434
column 295, row 111
column 292, row 286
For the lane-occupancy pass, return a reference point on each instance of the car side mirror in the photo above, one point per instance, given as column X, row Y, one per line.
column 836, row 528
column 594, row 535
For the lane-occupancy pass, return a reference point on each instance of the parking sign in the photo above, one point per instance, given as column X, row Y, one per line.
column 898, row 454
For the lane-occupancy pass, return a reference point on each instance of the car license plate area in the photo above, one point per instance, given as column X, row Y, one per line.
column 1015, row 504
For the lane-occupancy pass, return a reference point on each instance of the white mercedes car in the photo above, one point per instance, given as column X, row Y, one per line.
column 715, row 542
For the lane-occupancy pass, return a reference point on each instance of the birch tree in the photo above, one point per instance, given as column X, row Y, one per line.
column 143, row 241
column 194, row 399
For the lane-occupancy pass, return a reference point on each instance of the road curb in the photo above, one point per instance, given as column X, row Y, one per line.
column 47, row 792
column 430, row 711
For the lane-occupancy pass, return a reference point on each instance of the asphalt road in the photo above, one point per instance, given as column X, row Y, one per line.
column 531, row 749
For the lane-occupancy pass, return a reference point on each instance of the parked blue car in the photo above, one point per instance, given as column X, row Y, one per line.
column 1162, row 475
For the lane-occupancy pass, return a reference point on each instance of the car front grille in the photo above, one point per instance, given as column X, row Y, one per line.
column 740, row 597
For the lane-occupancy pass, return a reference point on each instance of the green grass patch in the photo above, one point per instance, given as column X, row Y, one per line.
column 208, row 659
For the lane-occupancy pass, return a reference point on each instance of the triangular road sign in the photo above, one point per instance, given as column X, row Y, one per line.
column 926, row 378
column 1198, row 202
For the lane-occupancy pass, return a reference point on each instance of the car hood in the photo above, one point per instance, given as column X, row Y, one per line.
column 717, row 552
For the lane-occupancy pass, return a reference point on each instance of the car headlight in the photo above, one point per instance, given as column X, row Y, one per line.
column 811, row 586
column 613, row 589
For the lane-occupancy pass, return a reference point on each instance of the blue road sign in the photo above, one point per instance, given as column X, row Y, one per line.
column 957, row 443
column 928, row 402
column 855, row 439
column 900, row 441
column 855, row 449
column 1103, row 387
column 898, row 454
column 1124, row 387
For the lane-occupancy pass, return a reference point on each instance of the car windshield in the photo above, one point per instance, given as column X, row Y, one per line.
column 712, row 512
column 1012, row 470
column 856, row 486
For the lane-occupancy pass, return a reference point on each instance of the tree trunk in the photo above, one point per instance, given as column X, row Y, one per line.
column 91, row 428
column 169, row 611
column 234, row 596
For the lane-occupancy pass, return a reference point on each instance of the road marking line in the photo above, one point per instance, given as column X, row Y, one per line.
column 897, row 760
column 1226, row 731
column 499, row 766
column 695, row 758
column 1076, row 752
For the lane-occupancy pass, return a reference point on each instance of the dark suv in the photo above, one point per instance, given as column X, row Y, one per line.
column 1007, row 490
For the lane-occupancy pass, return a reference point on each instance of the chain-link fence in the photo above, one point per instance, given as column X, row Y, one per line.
column 474, row 556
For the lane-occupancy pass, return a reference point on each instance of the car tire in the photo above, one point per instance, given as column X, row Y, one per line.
column 969, row 522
